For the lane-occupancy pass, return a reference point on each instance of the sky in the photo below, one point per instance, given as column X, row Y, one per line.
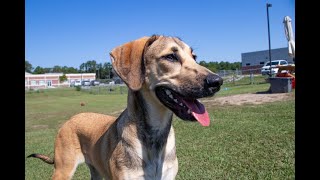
column 72, row 32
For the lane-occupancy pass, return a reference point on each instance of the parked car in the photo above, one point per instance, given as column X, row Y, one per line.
column 85, row 83
column 75, row 83
column 265, row 70
column 94, row 83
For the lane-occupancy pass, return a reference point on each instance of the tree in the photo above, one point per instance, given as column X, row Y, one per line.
column 82, row 68
column 91, row 66
column 63, row 78
column 203, row 63
column 56, row 69
column 107, row 70
column 27, row 66
column 38, row 70
column 99, row 69
column 66, row 70
column 72, row 70
column 217, row 66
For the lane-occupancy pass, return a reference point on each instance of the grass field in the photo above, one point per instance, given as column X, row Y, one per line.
column 242, row 142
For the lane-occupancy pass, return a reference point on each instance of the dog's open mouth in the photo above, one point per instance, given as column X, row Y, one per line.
column 185, row 108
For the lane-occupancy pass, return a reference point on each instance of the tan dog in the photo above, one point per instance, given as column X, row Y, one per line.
column 163, row 78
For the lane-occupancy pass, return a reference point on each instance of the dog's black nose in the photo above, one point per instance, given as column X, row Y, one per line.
column 213, row 80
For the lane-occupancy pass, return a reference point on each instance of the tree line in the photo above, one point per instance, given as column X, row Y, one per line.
column 222, row 65
column 104, row 71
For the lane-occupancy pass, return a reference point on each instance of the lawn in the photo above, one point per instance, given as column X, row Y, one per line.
column 246, row 142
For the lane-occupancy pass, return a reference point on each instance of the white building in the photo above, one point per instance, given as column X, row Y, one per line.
column 49, row 80
column 253, row 61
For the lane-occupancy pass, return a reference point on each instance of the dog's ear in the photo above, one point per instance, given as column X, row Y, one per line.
column 127, row 61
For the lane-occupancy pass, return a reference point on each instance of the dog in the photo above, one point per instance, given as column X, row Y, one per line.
column 163, row 79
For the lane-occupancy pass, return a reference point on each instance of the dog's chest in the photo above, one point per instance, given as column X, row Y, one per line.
column 156, row 164
column 157, row 167
column 160, row 164
column 152, row 156
column 153, row 167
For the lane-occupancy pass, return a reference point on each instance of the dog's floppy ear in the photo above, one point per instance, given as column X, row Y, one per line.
column 127, row 62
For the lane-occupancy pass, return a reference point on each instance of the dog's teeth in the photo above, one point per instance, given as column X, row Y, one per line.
column 168, row 92
column 189, row 111
column 175, row 100
column 181, row 104
column 171, row 96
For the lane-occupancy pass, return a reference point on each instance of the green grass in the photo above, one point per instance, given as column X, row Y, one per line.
column 242, row 142
column 113, row 89
column 51, row 108
column 244, row 86
column 246, row 80
column 247, row 142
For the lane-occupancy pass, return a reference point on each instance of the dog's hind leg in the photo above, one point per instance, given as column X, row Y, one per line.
column 65, row 171
column 66, row 167
column 67, row 155
column 94, row 173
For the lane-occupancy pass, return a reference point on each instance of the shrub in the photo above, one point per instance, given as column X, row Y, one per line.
column 78, row 88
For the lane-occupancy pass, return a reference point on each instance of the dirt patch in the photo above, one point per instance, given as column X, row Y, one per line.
column 252, row 98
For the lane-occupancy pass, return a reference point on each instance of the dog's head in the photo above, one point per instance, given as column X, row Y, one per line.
column 167, row 68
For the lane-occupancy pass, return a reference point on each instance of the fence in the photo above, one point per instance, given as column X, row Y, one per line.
column 106, row 89
column 242, row 77
column 224, row 73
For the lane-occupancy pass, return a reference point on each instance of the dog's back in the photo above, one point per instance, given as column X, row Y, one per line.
column 89, row 124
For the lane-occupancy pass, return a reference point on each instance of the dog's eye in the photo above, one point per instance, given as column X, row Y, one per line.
column 171, row 57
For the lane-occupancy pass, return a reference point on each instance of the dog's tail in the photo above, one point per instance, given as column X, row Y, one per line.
column 42, row 157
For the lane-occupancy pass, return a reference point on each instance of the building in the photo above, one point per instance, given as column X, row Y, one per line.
column 51, row 80
column 253, row 61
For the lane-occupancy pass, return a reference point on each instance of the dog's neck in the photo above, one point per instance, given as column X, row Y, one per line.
column 153, row 112
column 154, row 123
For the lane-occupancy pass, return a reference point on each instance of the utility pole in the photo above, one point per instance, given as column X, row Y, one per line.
column 269, row 5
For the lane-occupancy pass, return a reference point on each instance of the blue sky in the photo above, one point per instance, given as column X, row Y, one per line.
column 71, row 32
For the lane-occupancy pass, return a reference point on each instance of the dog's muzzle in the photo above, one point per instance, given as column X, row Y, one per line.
column 183, row 100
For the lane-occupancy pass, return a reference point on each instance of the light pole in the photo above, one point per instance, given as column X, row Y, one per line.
column 97, row 73
column 269, row 5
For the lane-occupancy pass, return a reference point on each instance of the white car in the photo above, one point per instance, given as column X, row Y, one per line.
column 76, row 83
column 265, row 70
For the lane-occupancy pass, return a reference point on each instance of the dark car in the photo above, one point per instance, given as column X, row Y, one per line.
column 94, row 83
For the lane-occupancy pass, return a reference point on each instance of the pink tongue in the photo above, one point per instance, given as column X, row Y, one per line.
column 199, row 112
